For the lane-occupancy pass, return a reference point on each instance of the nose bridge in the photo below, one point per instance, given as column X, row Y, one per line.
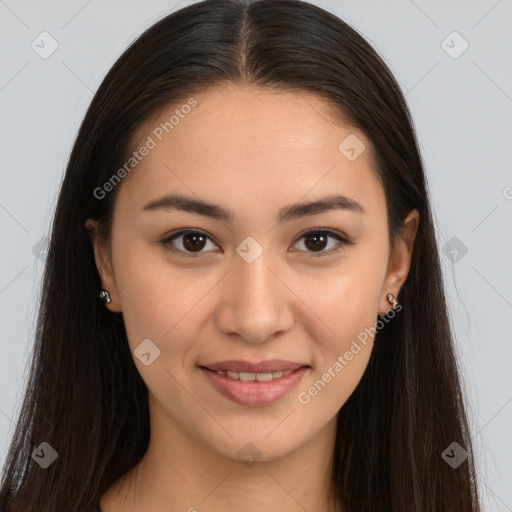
column 257, row 281
column 254, row 303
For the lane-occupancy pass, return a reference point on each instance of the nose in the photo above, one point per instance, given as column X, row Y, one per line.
column 256, row 302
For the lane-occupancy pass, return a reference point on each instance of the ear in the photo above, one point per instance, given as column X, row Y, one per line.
column 400, row 260
column 103, row 261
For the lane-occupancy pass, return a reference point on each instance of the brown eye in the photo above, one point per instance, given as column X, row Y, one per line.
column 189, row 242
column 317, row 240
column 192, row 242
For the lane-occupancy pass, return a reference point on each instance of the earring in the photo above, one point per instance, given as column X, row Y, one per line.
column 392, row 300
column 105, row 296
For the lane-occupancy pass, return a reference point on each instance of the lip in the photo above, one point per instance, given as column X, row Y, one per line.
column 240, row 365
column 254, row 393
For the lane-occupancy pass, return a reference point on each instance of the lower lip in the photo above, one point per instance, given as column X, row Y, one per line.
column 254, row 393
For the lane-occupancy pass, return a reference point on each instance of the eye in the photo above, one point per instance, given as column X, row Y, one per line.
column 192, row 241
column 319, row 238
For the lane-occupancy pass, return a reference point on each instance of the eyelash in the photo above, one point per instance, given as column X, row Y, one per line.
column 320, row 231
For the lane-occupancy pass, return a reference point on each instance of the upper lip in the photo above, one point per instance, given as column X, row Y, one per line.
column 271, row 365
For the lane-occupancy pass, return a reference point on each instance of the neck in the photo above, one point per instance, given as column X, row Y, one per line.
column 180, row 473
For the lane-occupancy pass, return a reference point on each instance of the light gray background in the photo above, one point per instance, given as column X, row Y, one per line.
column 462, row 109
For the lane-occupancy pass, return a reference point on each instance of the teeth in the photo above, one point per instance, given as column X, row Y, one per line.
column 249, row 376
column 264, row 377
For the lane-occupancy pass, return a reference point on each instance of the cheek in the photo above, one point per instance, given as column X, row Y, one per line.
column 346, row 303
column 163, row 305
column 161, row 302
column 144, row 294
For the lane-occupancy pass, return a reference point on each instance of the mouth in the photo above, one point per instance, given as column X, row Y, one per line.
column 241, row 366
column 252, row 376
column 254, row 384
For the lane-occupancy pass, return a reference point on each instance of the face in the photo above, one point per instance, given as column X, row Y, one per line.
column 255, row 275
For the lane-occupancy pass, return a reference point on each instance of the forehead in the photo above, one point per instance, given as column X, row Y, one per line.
column 253, row 146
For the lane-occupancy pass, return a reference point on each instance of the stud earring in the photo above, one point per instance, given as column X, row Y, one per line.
column 105, row 296
column 392, row 300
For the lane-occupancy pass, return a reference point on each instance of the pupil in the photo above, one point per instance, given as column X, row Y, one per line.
column 198, row 239
column 194, row 241
column 319, row 239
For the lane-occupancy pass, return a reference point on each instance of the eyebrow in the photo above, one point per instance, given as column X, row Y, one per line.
column 217, row 212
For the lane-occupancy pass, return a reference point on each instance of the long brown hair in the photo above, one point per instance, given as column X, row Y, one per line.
column 84, row 396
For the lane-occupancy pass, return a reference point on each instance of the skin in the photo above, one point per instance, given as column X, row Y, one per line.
column 253, row 151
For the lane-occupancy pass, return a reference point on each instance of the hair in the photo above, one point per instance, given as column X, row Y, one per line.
column 84, row 395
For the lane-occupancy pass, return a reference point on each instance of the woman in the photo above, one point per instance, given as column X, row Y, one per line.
column 242, row 300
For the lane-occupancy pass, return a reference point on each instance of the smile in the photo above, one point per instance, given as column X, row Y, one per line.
column 252, row 388
column 260, row 377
